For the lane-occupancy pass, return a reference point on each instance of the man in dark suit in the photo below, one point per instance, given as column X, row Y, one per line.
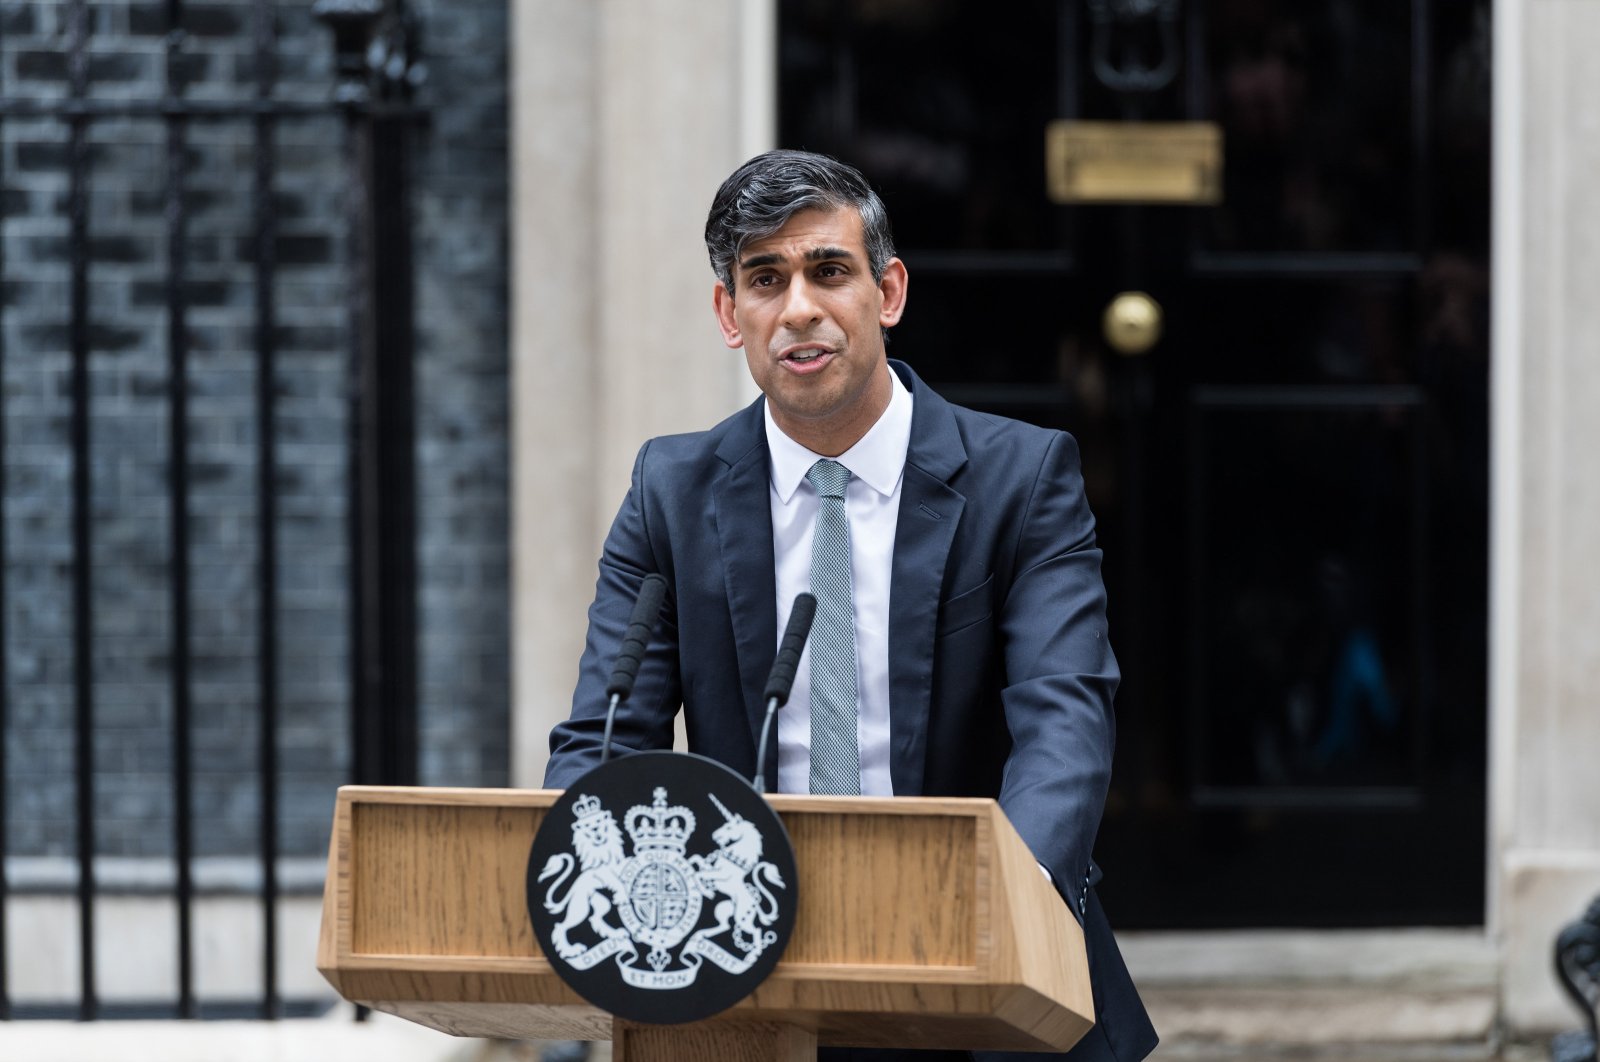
column 961, row 646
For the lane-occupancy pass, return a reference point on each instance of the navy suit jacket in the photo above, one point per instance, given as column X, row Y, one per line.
column 1001, row 675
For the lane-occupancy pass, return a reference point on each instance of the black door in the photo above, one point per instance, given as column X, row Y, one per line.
column 1292, row 482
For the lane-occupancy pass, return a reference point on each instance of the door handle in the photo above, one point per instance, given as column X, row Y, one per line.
column 1132, row 323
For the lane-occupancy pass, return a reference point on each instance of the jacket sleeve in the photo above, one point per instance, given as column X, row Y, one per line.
column 1060, row 677
column 644, row 720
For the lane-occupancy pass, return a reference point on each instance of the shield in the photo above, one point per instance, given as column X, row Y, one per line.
column 646, row 914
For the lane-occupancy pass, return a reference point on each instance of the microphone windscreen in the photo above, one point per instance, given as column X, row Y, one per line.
column 645, row 610
column 781, row 678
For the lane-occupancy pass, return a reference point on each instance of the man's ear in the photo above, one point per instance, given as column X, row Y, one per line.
column 722, row 303
column 893, row 287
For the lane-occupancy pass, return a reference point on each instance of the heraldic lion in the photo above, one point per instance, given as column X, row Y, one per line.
column 598, row 842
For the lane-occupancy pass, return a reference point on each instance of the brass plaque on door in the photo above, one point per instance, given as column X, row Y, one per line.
column 1134, row 162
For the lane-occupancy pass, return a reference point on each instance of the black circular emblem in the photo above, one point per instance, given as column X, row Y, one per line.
column 662, row 887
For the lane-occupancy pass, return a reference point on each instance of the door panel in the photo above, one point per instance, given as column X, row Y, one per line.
column 1304, row 330
column 1325, row 113
column 944, row 111
column 1291, row 486
column 1305, row 633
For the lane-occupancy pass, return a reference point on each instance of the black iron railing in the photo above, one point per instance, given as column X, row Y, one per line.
column 376, row 73
column 1577, row 965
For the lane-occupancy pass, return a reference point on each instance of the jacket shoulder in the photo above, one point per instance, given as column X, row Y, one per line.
column 692, row 451
column 995, row 441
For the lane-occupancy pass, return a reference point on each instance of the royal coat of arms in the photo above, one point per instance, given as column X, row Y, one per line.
column 645, row 909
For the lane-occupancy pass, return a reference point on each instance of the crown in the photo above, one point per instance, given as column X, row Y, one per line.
column 658, row 826
column 585, row 806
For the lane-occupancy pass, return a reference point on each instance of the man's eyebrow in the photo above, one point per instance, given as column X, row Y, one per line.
column 816, row 254
column 756, row 261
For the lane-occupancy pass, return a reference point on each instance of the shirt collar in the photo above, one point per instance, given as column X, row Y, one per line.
column 877, row 459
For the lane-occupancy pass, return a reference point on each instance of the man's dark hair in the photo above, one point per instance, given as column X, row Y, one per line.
column 763, row 194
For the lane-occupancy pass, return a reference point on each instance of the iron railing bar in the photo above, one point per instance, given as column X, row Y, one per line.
column 392, row 437
column 211, row 1010
column 82, row 560
column 382, row 468
column 199, row 110
column 266, row 505
column 364, row 730
column 384, row 477
column 382, row 689
column 5, row 981
column 178, row 407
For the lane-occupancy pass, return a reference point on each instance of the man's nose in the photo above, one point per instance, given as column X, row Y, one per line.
column 800, row 307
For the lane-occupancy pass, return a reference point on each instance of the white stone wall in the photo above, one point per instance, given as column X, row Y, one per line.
column 1545, row 699
column 136, row 961
column 626, row 116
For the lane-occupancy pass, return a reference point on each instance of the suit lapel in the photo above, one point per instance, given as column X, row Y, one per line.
column 744, row 533
column 930, row 512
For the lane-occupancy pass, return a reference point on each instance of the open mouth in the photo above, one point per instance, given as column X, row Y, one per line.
column 807, row 356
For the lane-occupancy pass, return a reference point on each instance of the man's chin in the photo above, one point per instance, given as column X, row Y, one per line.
column 806, row 412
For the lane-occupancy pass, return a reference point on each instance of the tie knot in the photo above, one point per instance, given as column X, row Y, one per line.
column 829, row 477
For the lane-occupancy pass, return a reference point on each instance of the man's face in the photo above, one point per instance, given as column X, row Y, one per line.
column 810, row 318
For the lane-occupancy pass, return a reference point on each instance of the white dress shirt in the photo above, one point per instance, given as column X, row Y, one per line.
column 872, row 504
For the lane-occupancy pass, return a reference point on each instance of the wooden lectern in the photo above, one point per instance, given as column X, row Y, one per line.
column 923, row 922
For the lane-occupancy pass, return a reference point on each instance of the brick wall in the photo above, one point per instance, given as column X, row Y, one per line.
column 460, row 218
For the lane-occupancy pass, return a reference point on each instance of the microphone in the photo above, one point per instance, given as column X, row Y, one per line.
column 781, row 679
column 646, row 608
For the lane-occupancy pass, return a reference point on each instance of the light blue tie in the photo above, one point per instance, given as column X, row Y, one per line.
column 835, row 757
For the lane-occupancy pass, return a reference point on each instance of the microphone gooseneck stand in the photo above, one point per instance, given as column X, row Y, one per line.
column 646, row 608
column 781, row 679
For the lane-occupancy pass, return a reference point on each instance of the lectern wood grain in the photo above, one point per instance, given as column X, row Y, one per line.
column 897, row 866
column 456, row 889
column 922, row 923
column 713, row 1042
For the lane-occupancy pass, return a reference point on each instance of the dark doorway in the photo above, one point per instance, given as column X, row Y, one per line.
column 1292, row 483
